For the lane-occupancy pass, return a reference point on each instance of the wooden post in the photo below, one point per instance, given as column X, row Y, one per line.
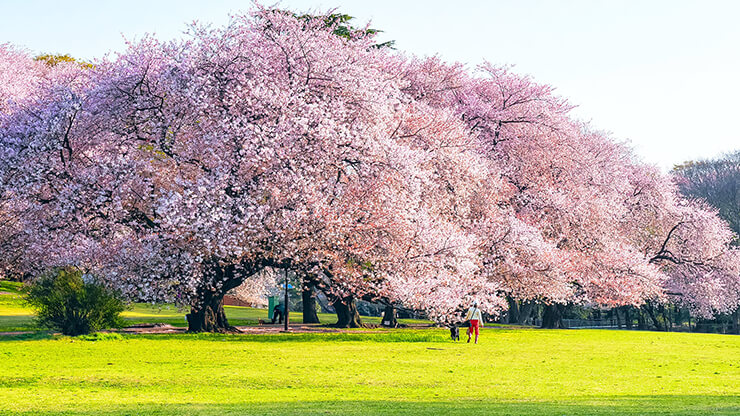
column 286, row 304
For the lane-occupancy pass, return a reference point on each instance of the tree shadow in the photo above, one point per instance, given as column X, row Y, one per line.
column 32, row 336
column 596, row 405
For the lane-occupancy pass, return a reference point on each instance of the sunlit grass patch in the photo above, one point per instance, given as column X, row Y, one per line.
column 408, row 372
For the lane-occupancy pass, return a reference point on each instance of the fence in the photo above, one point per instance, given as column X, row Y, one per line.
column 719, row 328
column 590, row 323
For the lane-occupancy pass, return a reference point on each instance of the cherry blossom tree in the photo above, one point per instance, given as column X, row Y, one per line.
column 716, row 182
column 20, row 76
column 23, row 80
column 180, row 171
column 575, row 194
column 689, row 241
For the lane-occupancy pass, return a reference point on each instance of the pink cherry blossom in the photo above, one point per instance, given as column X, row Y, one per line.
column 179, row 171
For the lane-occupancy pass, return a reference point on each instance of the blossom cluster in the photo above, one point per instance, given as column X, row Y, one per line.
column 189, row 167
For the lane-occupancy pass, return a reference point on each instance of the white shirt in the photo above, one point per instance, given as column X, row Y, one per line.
column 474, row 313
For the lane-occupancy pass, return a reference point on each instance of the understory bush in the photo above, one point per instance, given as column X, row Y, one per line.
column 68, row 301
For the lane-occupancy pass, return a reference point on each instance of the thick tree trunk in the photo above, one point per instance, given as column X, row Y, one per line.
column 207, row 313
column 552, row 317
column 525, row 312
column 309, row 305
column 651, row 313
column 389, row 317
column 513, row 310
column 209, row 316
column 736, row 321
column 347, row 315
column 519, row 311
column 667, row 318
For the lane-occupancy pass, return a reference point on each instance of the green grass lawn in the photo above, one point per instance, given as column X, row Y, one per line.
column 407, row 372
column 16, row 316
column 393, row 372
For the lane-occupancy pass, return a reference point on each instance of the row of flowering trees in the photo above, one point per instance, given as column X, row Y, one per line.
column 178, row 171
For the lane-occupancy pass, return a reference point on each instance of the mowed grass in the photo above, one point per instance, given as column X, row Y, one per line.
column 391, row 372
column 403, row 372
column 15, row 315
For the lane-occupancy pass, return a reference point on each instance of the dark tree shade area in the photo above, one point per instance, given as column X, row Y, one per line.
column 717, row 181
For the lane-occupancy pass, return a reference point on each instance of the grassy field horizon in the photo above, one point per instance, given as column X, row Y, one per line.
column 409, row 371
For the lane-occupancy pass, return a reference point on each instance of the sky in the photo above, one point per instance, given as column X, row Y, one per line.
column 662, row 75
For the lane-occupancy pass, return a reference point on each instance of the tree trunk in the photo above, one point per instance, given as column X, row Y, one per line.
column 651, row 313
column 736, row 321
column 667, row 318
column 552, row 317
column 641, row 322
column 525, row 312
column 513, row 310
column 690, row 322
column 389, row 317
column 519, row 311
column 207, row 313
column 627, row 317
column 209, row 316
column 309, row 305
column 347, row 315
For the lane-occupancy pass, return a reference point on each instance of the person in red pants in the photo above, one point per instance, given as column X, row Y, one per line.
column 476, row 321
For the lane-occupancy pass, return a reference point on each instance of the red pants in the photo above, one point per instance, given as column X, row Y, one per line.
column 473, row 325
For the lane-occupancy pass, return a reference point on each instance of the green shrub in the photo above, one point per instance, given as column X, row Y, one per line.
column 66, row 302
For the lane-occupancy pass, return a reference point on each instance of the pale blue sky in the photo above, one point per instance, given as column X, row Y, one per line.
column 663, row 74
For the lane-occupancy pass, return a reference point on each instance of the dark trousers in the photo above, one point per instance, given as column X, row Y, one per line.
column 277, row 315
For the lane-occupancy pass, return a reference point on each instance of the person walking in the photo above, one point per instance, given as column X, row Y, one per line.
column 476, row 321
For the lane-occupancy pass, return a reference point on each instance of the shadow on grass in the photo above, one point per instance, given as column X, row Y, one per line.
column 624, row 405
column 17, row 323
column 380, row 336
column 34, row 336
